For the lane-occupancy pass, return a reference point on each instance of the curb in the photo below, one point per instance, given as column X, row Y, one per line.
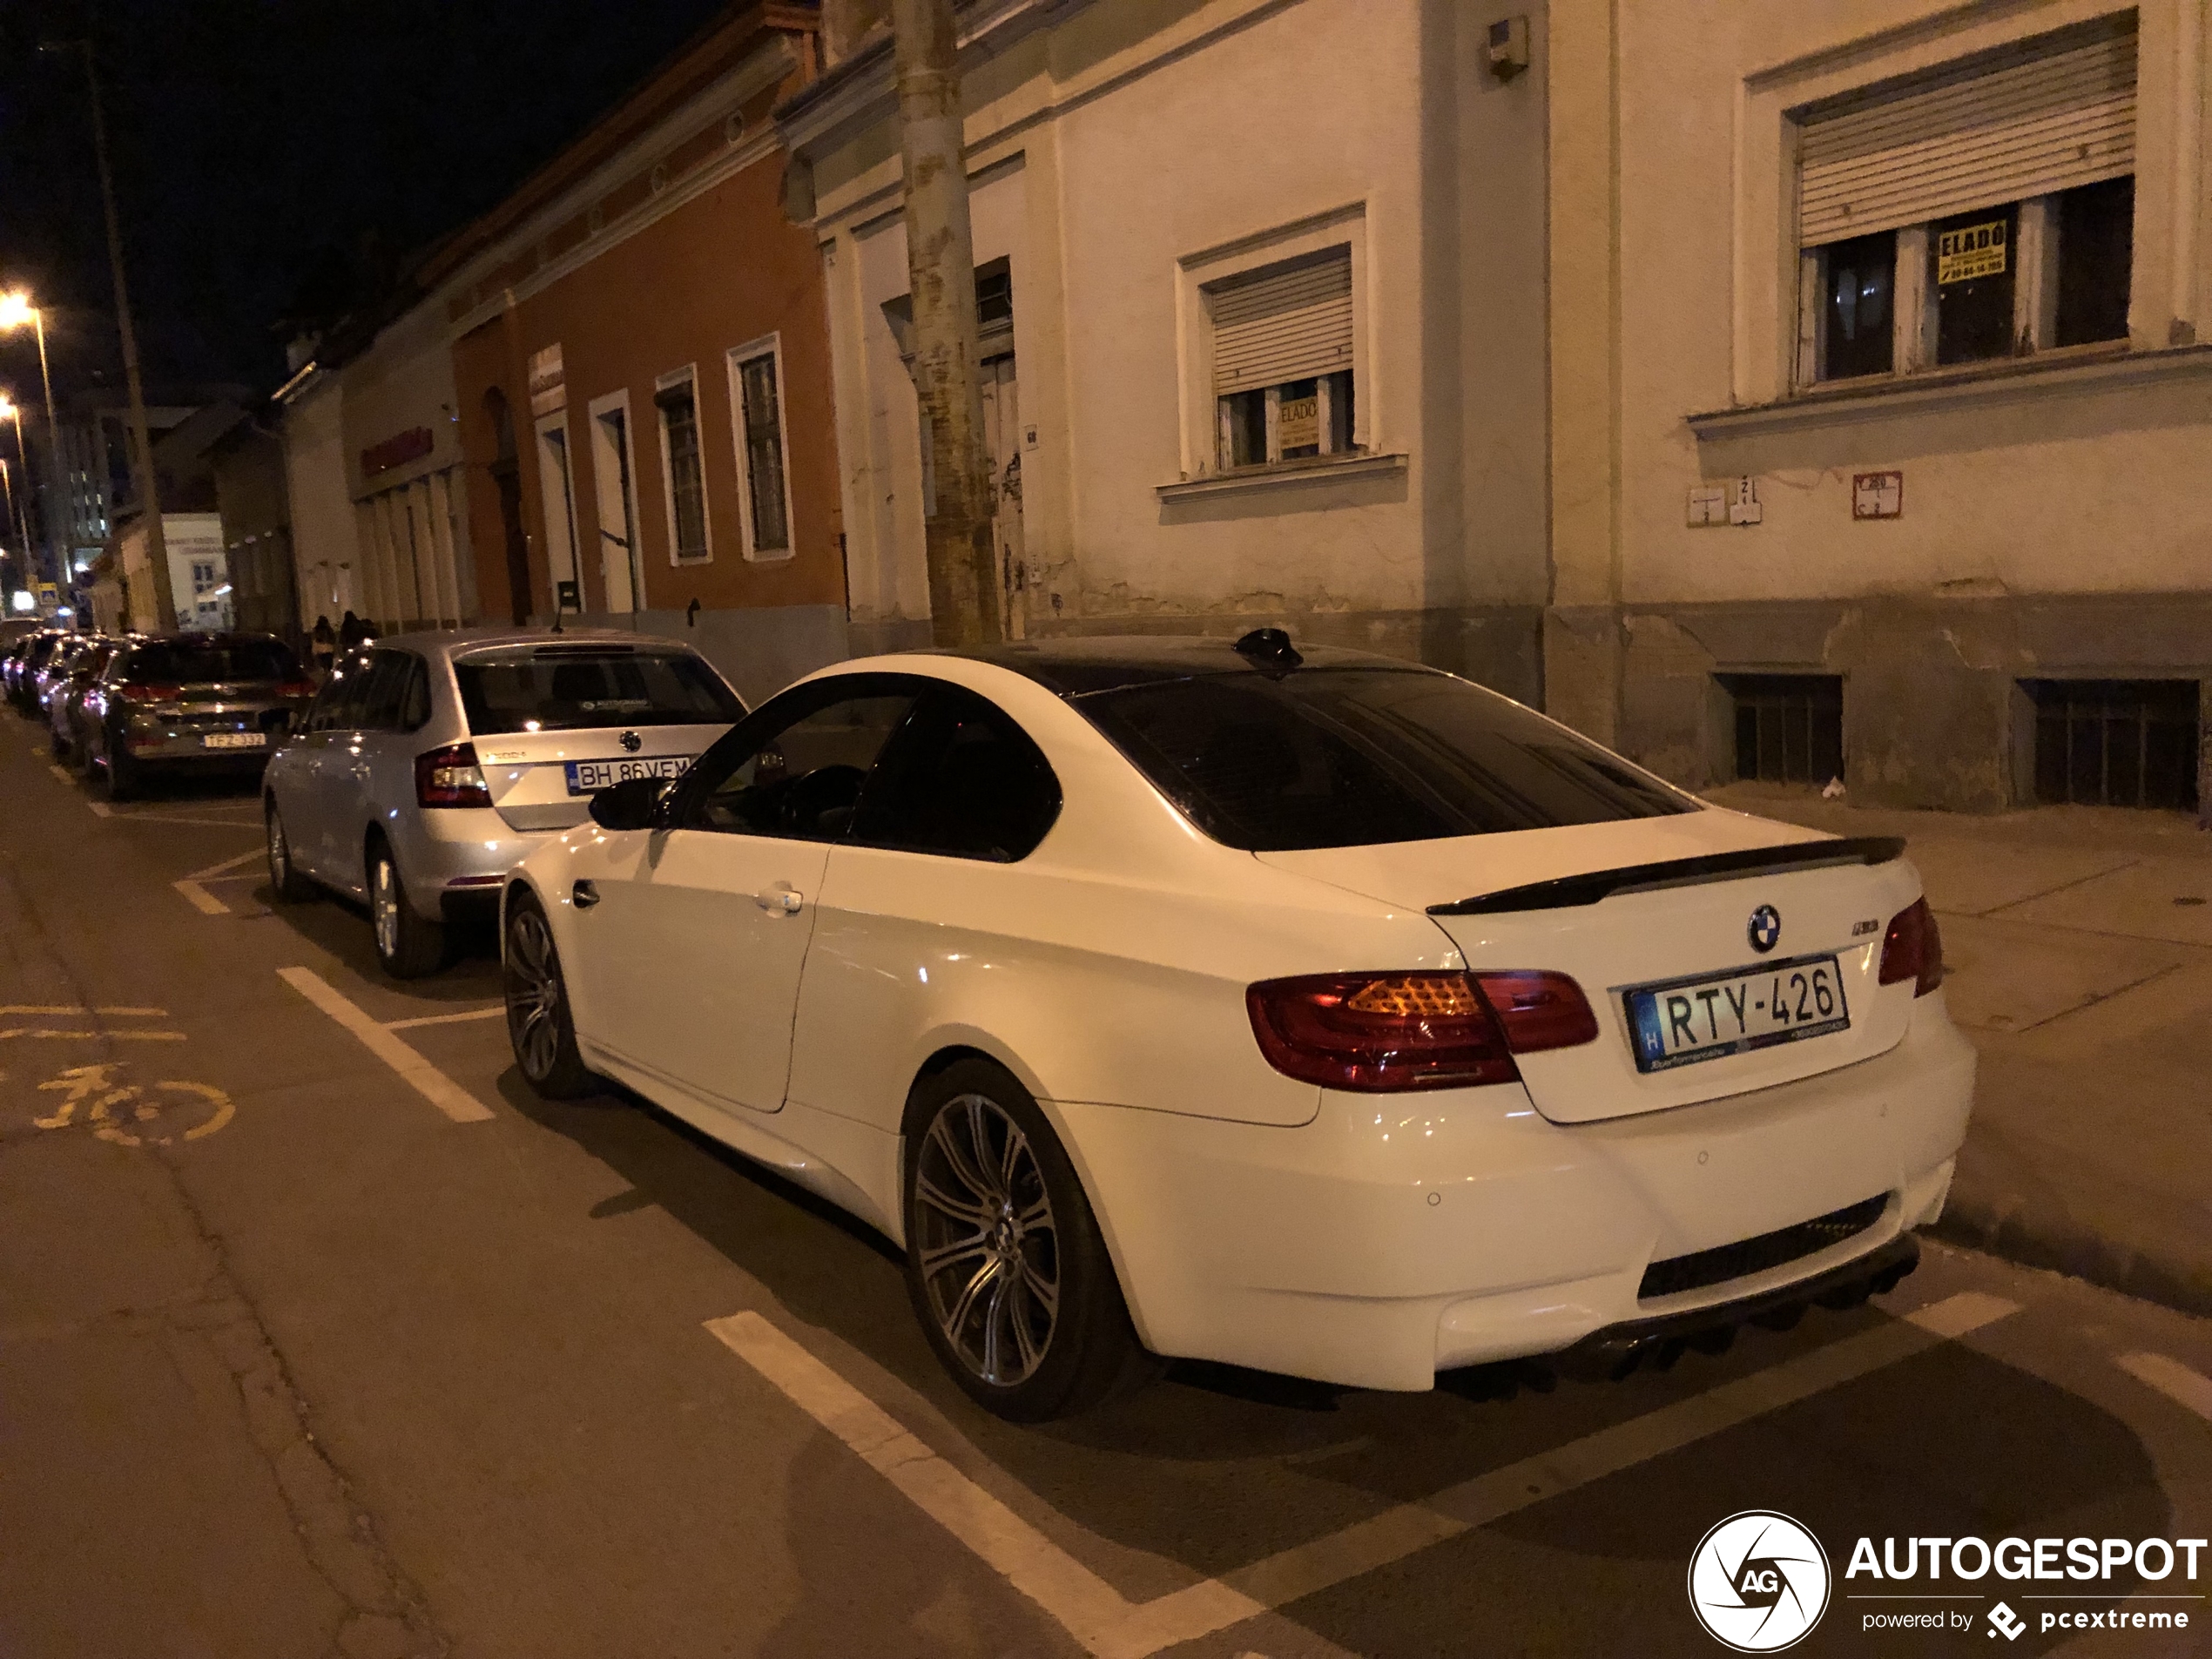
column 2058, row 1244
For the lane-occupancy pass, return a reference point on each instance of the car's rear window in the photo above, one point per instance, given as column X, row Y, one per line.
column 1359, row 756
column 574, row 689
column 187, row 661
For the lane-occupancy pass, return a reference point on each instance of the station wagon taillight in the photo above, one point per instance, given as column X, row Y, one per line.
column 1912, row 948
column 1382, row 1032
column 450, row 777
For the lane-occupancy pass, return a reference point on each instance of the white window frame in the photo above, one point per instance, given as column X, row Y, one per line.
column 1767, row 275
column 543, row 428
column 596, row 411
column 1198, row 404
column 771, row 345
column 687, row 374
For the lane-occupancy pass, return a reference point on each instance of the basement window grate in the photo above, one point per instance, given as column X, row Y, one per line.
column 1749, row 1256
column 2115, row 743
column 1789, row 727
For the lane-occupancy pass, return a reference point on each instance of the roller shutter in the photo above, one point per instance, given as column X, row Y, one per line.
column 1285, row 323
column 2001, row 133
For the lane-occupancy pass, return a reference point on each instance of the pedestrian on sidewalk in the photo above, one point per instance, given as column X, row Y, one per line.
column 323, row 647
column 353, row 631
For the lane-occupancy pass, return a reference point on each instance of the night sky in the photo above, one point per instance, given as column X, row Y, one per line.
column 264, row 151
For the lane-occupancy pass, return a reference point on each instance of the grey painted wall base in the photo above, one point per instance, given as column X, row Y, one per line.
column 759, row 650
column 1933, row 713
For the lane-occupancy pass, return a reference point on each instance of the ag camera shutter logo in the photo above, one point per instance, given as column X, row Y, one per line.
column 1758, row 1581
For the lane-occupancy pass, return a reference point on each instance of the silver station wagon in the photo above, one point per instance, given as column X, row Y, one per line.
column 430, row 764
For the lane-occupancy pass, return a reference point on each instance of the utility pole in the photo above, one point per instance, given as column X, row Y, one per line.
column 941, row 271
column 165, row 598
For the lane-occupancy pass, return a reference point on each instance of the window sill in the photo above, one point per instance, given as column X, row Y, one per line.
column 2078, row 371
column 1288, row 472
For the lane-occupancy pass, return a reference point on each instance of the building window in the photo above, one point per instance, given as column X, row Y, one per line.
column 2116, row 742
column 757, row 404
column 1282, row 361
column 1981, row 211
column 677, row 398
column 1789, row 727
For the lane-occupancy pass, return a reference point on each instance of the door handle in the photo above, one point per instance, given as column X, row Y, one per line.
column 585, row 894
column 782, row 898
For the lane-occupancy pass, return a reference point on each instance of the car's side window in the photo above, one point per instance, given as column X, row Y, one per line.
column 962, row 780
column 796, row 772
column 338, row 702
column 384, row 695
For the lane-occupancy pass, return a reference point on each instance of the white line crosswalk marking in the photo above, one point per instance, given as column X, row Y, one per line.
column 2172, row 1378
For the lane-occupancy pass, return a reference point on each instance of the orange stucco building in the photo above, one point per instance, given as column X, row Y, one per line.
column 641, row 364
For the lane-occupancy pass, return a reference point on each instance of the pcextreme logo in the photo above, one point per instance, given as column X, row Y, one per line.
column 1758, row 1581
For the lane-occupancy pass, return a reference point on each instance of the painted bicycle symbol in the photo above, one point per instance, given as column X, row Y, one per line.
column 130, row 1115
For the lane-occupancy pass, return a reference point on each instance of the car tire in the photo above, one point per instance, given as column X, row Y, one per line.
column 541, row 1027
column 287, row 884
column 1038, row 1329
column 408, row 946
column 122, row 781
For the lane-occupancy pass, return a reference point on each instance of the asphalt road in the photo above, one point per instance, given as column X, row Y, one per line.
column 304, row 1354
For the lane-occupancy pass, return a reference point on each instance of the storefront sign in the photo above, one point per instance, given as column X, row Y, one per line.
column 397, row 450
column 1969, row 251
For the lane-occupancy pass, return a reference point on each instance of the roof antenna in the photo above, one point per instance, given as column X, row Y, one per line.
column 1270, row 646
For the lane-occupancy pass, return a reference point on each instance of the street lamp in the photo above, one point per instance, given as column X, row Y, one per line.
column 15, row 310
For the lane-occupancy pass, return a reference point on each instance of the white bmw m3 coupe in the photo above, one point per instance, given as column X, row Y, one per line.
column 1319, row 1012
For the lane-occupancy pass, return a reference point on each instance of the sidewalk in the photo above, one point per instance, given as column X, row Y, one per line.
column 2080, row 942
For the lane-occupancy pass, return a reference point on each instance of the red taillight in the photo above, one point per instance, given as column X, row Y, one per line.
column 1539, row 1011
column 1913, row 948
column 448, row 777
column 296, row 688
column 1378, row 1033
column 134, row 693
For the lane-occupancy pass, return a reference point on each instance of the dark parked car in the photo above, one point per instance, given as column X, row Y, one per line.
column 65, row 699
column 191, row 703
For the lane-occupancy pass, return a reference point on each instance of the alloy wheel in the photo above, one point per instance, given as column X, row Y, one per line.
column 384, row 905
column 533, row 994
column 988, row 1243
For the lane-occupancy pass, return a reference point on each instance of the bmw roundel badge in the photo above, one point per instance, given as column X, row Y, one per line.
column 1765, row 928
column 632, row 742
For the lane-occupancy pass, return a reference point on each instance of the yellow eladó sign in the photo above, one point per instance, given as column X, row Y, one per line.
column 1969, row 251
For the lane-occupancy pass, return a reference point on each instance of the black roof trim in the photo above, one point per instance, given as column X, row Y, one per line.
column 1081, row 665
column 1566, row 892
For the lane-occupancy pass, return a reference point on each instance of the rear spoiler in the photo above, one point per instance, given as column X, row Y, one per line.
column 1562, row 892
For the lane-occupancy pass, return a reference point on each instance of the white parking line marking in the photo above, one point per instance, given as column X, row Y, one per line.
column 2172, row 1378
column 491, row 1012
column 72, row 1008
column 199, row 897
column 1111, row 1627
column 417, row 1073
column 61, row 771
column 1085, row 1605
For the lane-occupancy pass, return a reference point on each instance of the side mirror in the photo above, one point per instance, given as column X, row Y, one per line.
column 633, row 804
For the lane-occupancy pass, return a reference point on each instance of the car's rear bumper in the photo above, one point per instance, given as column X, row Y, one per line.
column 1398, row 1235
column 454, row 860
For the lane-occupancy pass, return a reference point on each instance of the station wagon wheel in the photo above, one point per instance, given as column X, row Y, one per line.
column 408, row 946
column 285, row 882
column 539, row 1026
column 1005, row 1264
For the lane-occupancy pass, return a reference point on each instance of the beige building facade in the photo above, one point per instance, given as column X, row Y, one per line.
column 1879, row 413
column 1260, row 296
